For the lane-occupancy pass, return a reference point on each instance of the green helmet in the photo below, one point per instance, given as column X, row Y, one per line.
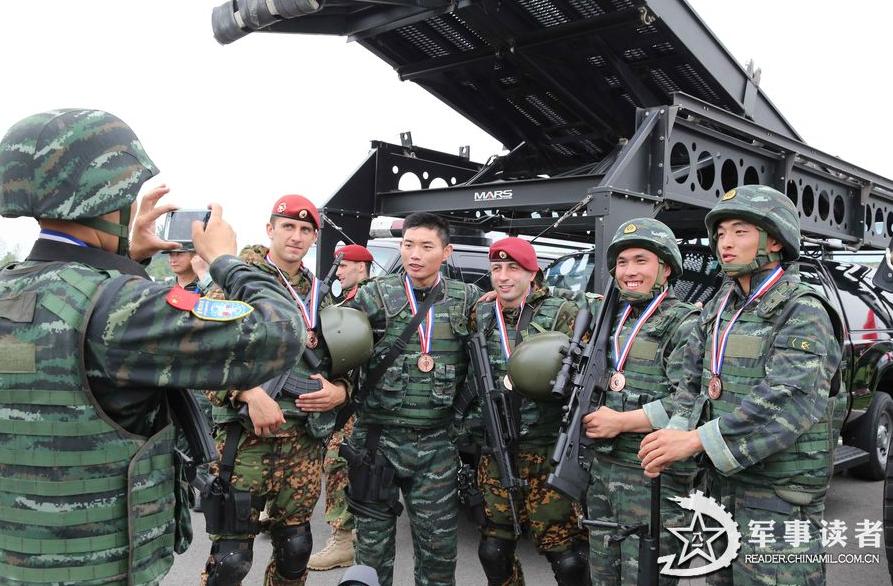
column 535, row 363
column 348, row 336
column 72, row 165
column 652, row 235
column 767, row 209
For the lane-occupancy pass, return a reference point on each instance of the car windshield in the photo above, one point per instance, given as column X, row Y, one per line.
column 571, row 272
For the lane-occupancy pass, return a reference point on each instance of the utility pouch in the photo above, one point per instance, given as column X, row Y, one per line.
column 229, row 510
column 470, row 495
column 372, row 480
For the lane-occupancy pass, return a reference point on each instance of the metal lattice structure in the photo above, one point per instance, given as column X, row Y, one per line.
column 611, row 109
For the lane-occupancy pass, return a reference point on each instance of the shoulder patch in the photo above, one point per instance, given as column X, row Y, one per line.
column 220, row 309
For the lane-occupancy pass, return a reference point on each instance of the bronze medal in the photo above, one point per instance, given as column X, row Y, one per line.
column 426, row 363
column 507, row 382
column 617, row 382
column 312, row 340
column 714, row 387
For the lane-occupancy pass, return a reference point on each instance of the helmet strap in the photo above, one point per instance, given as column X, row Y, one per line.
column 120, row 229
column 762, row 258
column 636, row 297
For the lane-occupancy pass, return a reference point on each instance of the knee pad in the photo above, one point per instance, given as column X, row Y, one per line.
column 570, row 567
column 230, row 561
column 497, row 558
column 291, row 550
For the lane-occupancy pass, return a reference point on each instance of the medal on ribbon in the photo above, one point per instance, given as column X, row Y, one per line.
column 504, row 342
column 617, row 382
column 425, row 362
column 308, row 314
column 720, row 339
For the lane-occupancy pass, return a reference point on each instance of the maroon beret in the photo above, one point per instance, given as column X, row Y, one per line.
column 516, row 249
column 296, row 207
column 355, row 253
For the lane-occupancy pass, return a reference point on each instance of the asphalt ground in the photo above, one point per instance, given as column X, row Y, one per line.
column 850, row 500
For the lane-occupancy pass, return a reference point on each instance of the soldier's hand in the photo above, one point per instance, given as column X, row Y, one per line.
column 144, row 242
column 216, row 239
column 661, row 448
column 199, row 266
column 487, row 297
column 327, row 398
column 265, row 414
column 603, row 423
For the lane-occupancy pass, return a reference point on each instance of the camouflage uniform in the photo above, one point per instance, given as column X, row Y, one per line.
column 767, row 437
column 551, row 517
column 335, row 469
column 87, row 477
column 618, row 490
column 285, row 467
column 415, row 411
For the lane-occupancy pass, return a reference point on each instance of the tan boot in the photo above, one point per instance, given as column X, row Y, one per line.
column 338, row 552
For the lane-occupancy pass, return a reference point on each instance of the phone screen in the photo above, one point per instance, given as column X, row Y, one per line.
column 178, row 224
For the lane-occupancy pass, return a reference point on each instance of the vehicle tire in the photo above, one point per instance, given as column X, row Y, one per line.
column 888, row 516
column 873, row 436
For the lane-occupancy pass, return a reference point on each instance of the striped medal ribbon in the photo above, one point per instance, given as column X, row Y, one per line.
column 426, row 330
column 504, row 342
column 718, row 345
column 617, row 381
column 309, row 315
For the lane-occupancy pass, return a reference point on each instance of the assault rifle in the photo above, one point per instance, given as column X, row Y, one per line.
column 501, row 427
column 293, row 386
column 581, row 382
column 649, row 538
column 192, row 423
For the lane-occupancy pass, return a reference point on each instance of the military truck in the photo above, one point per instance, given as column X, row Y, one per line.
column 609, row 110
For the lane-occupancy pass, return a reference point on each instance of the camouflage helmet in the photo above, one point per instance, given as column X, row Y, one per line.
column 768, row 209
column 535, row 363
column 70, row 165
column 649, row 234
column 348, row 337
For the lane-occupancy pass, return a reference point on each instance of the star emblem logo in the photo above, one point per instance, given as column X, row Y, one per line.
column 701, row 542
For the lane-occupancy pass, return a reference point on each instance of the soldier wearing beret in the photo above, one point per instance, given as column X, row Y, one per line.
column 522, row 307
column 758, row 371
column 91, row 351
column 279, row 455
column 339, row 550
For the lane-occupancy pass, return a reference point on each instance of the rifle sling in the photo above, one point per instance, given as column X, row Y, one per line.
column 228, row 458
column 397, row 348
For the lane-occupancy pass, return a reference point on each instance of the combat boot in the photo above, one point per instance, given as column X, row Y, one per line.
column 338, row 552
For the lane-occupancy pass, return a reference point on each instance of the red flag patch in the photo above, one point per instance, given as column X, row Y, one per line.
column 182, row 299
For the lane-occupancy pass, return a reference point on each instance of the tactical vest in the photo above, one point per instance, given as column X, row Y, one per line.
column 539, row 421
column 646, row 376
column 804, row 466
column 405, row 396
column 319, row 425
column 81, row 499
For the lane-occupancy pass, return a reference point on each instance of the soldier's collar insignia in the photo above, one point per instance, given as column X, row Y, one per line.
column 629, row 229
column 730, row 194
column 220, row 309
column 281, row 207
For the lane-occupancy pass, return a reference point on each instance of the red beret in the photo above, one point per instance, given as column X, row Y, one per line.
column 515, row 249
column 355, row 253
column 296, row 207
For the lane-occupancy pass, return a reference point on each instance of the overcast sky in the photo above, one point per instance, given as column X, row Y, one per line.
column 274, row 114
